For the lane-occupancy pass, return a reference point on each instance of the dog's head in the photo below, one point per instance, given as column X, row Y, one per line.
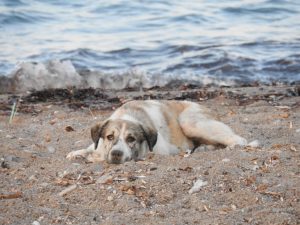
column 121, row 140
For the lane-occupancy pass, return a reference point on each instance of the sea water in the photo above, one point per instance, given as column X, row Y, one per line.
column 129, row 43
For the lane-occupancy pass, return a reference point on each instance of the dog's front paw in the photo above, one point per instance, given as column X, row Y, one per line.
column 76, row 155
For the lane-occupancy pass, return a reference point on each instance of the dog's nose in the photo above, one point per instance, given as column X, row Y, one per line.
column 116, row 156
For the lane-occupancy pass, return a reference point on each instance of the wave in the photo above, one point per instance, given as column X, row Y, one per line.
column 62, row 74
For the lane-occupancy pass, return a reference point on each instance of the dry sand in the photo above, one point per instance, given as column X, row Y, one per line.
column 245, row 185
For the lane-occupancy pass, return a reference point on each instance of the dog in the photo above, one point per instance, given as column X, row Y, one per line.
column 164, row 127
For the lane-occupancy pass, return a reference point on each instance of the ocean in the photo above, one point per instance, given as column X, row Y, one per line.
column 141, row 43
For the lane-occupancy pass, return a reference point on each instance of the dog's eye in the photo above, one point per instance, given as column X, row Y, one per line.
column 110, row 137
column 130, row 139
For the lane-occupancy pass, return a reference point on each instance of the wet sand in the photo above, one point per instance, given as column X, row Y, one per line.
column 245, row 185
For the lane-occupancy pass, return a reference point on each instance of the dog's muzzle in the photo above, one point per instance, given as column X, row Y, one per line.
column 116, row 156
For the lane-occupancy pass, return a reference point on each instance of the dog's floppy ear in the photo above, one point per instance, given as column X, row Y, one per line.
column 150, row 135
column 96, row 131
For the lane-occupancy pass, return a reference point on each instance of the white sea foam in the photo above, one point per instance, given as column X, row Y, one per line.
column 53, row 74
column 63, row 74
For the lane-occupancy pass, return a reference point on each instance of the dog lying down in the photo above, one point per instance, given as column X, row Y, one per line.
column 164, row 127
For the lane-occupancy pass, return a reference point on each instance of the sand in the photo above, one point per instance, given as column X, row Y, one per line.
column 244, row 185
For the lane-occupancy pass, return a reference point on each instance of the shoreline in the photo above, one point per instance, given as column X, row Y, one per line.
column 96, row 98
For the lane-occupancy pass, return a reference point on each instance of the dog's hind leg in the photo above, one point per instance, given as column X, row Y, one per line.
column 198, row 126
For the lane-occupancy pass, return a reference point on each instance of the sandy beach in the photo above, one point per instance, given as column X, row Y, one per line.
column 245, row 185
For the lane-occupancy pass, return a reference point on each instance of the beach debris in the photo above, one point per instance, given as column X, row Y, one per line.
column 283, row 115
column 271, row 193
column 129, row 189
column 274, row 160
column 110, row 198
column 67, row 190
column 64, row 181
column 47, row 138
column 284, row 107
column 186, row 169
column 105, row 179
column 197, row 186
column 262, row 187
column 85, row 179
column 137, row 191
column 206, row 209
column 250, row 180
column 12, row 195
column 69, row 129
column 13, row 112
column 293, row 148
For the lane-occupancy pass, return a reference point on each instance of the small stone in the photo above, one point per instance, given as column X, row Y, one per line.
column 197, row 186
column 10, row 136
column 51, row 149
column 255, row 167
column 226, row 160
column 11, row 158
column 35, row 223
column 110, row 198
column 52, row 122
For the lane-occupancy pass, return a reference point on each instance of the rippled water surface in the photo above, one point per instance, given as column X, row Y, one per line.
column 241, row 41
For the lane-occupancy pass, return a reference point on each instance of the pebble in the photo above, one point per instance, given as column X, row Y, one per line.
column 110, row 198
column 10, row 136
column 226, row 160
column 35, row 223
column 197, row 186
column 233, row 207
column 255, row 167
column 298, row 130
column 11, row 158
column 51, row 149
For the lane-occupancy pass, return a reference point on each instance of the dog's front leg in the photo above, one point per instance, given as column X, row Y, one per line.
column 82, row 153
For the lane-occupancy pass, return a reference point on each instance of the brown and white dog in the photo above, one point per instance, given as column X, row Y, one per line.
column 164, row 127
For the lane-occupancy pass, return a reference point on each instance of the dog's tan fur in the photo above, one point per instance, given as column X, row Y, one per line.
column 165, row 127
